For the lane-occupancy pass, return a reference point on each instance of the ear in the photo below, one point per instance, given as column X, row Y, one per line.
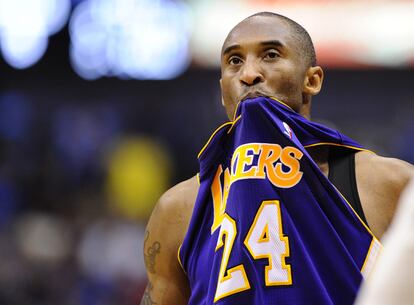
column 312, row 83
column 221, row 90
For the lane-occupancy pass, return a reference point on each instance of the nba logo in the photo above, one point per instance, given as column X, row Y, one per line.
column 287, row 130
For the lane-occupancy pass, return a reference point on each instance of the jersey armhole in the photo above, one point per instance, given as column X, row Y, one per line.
column 355, row 193
column 342, row 176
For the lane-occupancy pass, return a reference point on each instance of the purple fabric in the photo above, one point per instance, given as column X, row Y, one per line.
column 327, row 242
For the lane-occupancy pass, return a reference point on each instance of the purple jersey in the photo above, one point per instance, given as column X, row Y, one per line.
column 268, row 227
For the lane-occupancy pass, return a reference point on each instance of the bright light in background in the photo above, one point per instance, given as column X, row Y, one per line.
column 143, row 39
column 346, row 33
column 25, row 26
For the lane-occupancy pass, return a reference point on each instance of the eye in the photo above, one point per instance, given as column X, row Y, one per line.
column 271, row 54
column 235, row 60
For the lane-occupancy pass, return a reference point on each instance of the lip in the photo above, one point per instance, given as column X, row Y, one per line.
column 253, row 94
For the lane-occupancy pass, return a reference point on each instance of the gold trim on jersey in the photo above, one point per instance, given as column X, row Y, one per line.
column 371, row 255
column 212, row 136
column 233, row 124
column 374, row 250
column 340, row 145
column 179, row 258
column 284, row 104
column 346, row 200
column 353, row 210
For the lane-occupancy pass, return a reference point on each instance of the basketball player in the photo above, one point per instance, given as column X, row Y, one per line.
column 261, row 223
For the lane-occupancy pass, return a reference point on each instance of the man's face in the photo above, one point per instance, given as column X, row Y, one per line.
column 260, row 57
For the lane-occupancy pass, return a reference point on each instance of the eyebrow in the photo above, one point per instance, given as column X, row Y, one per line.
column 268, row 43
column 273, row 43
column 231, row 48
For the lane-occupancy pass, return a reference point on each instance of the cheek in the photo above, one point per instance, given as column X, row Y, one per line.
column 287, row 83
column 229, row 95
column 229, row 92
column 290, row 85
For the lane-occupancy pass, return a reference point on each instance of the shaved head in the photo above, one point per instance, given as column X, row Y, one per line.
column 299, row 34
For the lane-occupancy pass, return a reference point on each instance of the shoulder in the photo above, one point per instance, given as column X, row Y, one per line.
column 380, row 181
column 173, row 210
column 178, row 201
column 181, row 194
column 389, row 173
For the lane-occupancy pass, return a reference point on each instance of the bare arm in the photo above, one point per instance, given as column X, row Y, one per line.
column 165, row 232
column 380, row 182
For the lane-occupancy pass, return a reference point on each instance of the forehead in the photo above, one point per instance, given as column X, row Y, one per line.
column 257, row 29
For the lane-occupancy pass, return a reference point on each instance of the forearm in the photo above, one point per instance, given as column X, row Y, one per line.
column 147, row 298
column 165, row 292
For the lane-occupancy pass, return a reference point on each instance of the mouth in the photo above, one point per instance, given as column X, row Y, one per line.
column 253, row 94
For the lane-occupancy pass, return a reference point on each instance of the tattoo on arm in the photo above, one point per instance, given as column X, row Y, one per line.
column 146, row 298
column 150, row 253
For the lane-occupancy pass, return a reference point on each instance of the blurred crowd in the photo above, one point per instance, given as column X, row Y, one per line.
column 74, row 198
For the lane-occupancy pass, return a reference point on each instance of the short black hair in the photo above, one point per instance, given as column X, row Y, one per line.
column 300, row 34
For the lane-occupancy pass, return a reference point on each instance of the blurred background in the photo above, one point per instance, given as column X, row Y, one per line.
column 104, row 104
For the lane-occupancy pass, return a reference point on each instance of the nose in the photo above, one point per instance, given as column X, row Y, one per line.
column 250, row 74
